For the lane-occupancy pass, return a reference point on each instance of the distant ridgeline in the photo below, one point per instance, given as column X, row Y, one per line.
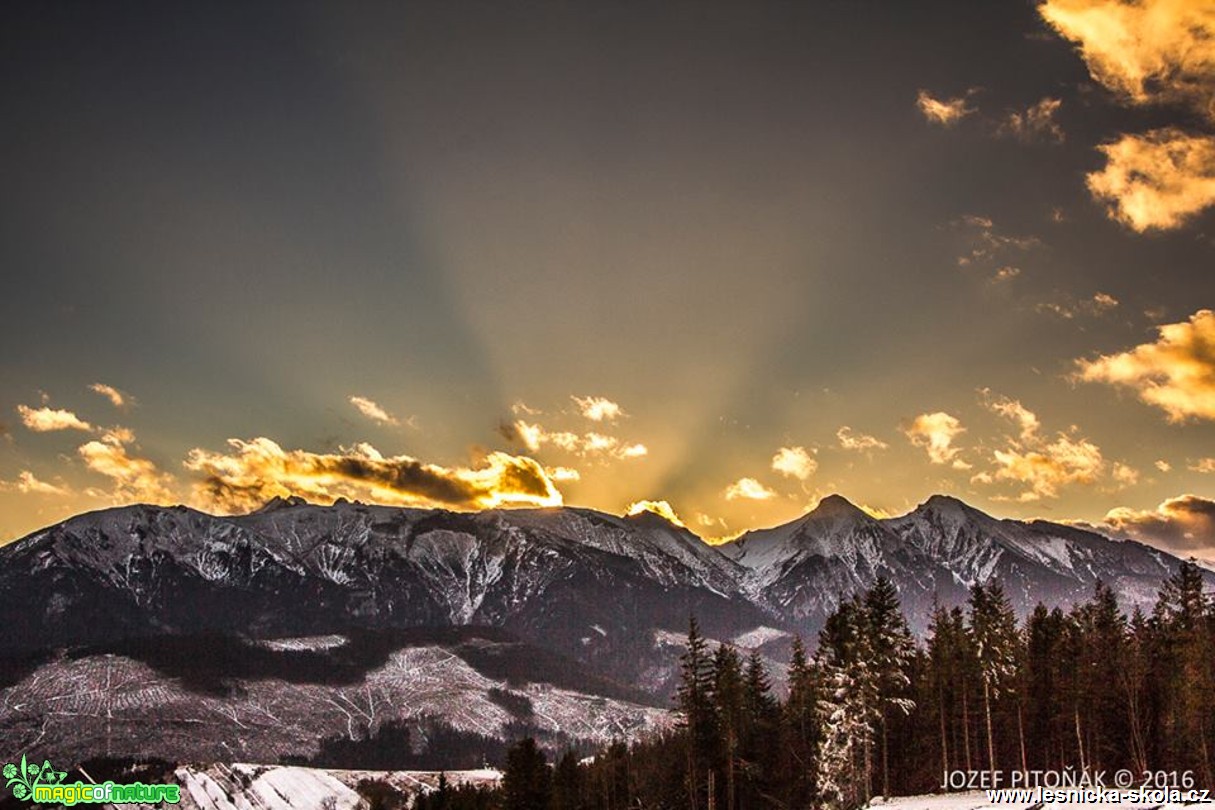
column 303, row 633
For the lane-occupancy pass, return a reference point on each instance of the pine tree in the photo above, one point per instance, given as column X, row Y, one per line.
column 694, row 704
column 993, row 626
column 891, row 649
column 526, row 783
column 800, row 722
column 728, row 699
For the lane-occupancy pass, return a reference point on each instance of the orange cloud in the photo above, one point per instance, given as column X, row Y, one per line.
column 119, row 399
column 795, row 462
column 1158, row 180
column 373, row 411
column 1036, row 123
column 1185, row 525
column 259, row 469
column 46, row 419
column 1069, row 308
column 945, row 112
column 748, row 489
column 1176, row 373
column 29, row 484
column 534, row 436
column 858, row 441
column 1049, row 467
column 135, row 480
column 935, row 432
column 661, row 508
column 1146, row 52
column 598, row 409
column 1012, row 409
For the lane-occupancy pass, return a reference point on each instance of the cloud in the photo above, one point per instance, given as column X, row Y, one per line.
column 1012, row 409
column 255, row 471
column 1069, row 308
column 858, row 441
column 1124, row 475
column 661, row 508
column 1185, row 525
column 373, row 411
column 1157, row 180
column 1202, row 465
column 598, row 409
column 795, row 462
column 521, row 407
column 1146, row 52
column 28, row 484
column 1163, row 465
column 945, row 112
column 1048, row 467
column 563, row 473
column 534, row 436
column 1036, row 123
column 935, row 432
column 748, row 489
column 985, row 244
column 1006, row 273
column 135, row 480
column 119, row 399
column 1176, row 373
column 46, row 418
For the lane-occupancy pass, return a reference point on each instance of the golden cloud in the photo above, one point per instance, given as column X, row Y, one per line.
column 598, row 409
column 935, row 432
column 534, row 436
column 1157, row 180
column 1146, row 52
column 259, row 469
column 1047, row 468
column 1202, row 465
column 661, row 508
column 1163, row 465
column 119, row 399
column 795, row 462
column 373, row 411
column 46, row 418
column 945, row 112
column 858, row 441
column 1176, row 373
column 1185, row 524
column 135, row 480
column 1068, row 308
column 1012, row 409
column 1036, row 123
column 29, row 484
column 748, row 489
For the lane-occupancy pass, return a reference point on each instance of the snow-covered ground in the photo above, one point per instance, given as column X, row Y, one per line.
column 267, row 787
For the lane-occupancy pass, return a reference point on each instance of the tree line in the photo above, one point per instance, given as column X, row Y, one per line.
column 874, row 712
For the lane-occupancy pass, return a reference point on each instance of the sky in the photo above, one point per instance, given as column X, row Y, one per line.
column 715, row 259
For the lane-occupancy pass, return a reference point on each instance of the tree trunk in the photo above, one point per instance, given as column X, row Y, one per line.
column 944, row 742
column 991, row 739
column 1080, row 741
column 966, row 727
column 885, row 758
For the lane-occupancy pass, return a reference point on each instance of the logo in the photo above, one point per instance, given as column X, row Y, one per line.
column 43, row 784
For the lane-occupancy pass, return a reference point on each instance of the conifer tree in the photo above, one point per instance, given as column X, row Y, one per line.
column 993, row 626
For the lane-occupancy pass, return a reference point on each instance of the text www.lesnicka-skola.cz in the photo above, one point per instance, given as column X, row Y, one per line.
column 1047, row 796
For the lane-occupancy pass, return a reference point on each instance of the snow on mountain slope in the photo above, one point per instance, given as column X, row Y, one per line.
column 115, row 704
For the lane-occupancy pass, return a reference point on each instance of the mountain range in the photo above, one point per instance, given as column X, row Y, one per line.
column 337, row 605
